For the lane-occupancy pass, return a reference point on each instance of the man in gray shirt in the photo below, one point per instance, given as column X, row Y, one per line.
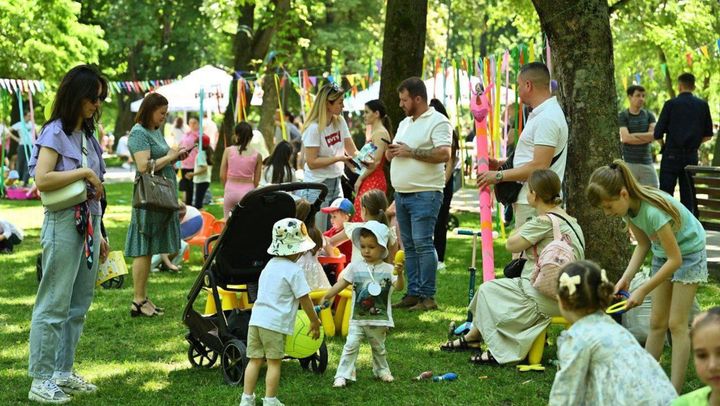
column 636, row 134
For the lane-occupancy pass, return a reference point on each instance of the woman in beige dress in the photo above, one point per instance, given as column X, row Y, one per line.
column 508, row 314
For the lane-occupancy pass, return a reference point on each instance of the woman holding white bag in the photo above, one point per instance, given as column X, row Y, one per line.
column 67, row 157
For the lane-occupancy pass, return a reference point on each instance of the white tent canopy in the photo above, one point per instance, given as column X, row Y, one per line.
column 437, row 88
column 184, row 94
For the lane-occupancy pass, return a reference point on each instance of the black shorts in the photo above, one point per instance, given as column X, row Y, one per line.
column 185, row 185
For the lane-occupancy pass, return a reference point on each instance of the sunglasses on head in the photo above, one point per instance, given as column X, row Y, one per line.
column 334, row 87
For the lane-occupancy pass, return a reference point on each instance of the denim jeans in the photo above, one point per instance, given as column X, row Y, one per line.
column 672, row 171
column 417, row 214
column 322, row 220
column 64, row 295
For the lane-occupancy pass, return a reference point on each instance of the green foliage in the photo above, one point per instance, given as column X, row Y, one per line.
column 641, row 30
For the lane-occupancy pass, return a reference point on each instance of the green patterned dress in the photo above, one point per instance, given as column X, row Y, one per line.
column 152, row 232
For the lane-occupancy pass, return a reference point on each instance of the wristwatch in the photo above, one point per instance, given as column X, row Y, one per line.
column 499, row 176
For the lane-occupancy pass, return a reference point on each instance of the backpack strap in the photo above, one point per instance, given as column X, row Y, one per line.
column 557, row 234
column 571, row 227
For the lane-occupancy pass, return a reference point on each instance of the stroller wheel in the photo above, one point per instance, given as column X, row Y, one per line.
column 233, row 362
column 114, row 283
column 201, row 357
column 316, row 362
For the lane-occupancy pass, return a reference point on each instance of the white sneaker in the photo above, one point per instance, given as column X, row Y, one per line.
column 272, row 402
column 75, row 384
column 48, row 392
column 441, row 266
column 246, row 400
column 339, row 383
column 387, row 378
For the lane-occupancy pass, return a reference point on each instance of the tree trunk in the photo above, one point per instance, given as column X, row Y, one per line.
column 268, row 108
column 403, row 47
column 249, row 43
column 125, row 118
column 585, row 75
column 666, row 75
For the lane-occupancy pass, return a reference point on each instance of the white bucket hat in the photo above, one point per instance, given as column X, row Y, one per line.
column 381, row 231
column 290, row 237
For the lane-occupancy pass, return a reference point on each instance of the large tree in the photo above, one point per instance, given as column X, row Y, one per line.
column 582, row 63
column 403, row 46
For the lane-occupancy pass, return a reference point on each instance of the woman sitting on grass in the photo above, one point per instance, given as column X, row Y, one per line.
column 508, row 314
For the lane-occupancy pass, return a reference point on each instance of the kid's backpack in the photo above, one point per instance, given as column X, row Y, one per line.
column 553, row 258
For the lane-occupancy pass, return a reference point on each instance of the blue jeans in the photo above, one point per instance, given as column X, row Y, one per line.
column 64, row 295
column 417, row 214
column 672, row 171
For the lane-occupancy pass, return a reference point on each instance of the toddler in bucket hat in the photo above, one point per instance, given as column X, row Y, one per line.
column 381, row 232
column 290, row 237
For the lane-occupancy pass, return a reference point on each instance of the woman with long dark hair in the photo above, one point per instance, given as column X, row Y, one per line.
column 240, row 167
column 277, row 167
column 151, row 232
column 374, row 175
column 67, row 151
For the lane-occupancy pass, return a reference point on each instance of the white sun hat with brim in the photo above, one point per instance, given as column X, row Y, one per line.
column 289, row 237
column 381, row 231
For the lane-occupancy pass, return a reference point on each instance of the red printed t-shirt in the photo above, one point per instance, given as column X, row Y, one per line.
column 331, row 142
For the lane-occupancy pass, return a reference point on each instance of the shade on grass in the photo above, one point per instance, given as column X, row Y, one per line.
column 144, row 361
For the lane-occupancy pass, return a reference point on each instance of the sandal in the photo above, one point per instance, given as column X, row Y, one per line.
column 167, row 268
column 461, row 344
column 158, row 310
column 483, row 358
column 137, row 310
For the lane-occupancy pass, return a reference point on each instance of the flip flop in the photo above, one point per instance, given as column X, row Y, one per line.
column 478, row 359
column 462, row 345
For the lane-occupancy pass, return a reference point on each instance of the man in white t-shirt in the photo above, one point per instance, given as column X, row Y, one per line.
column 542, row 143
column 417, row 172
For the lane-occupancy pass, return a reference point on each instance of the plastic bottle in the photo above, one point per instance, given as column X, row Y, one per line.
column 450, row 376
column 321, row 306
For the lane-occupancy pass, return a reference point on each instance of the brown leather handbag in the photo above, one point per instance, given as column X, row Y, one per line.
column 154, row 192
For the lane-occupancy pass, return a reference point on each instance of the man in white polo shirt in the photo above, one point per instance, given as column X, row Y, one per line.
column 543, row 142
column 417, row 172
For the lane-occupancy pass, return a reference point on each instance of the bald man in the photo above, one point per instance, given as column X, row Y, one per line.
column 542, row 143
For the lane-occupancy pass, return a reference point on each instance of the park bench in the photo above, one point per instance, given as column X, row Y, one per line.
column 706, row 180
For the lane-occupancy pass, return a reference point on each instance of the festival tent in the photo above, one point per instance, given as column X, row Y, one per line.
column 439, row 87
column 184, row 94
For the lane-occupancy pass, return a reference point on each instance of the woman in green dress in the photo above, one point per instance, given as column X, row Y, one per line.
column 151, row 232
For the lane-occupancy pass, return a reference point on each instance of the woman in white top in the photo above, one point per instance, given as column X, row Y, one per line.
column 327, row 144
column 178, row 131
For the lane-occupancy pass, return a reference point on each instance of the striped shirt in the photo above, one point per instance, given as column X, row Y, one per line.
column 636, row 123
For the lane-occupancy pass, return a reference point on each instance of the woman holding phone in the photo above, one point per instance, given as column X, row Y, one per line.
column 374, row 176
column 151, row 232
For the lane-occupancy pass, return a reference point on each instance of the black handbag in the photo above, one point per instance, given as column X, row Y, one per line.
column 514, row 268
column 507, row 192
column 154, row 192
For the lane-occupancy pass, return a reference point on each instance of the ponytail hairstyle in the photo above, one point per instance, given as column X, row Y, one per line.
column 208, row 155
column 243, row 135
column 546, row 185
column 377, row 106
column 375, row 203
column 712, row 316
column 329, row 93
column 606, row 182
column 584, row 288
column 302, row 213
column 279, row 161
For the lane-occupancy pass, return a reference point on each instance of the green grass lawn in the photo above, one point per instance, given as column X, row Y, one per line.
column 144, row 361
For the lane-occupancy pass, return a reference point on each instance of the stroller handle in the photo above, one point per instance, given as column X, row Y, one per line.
column 292, row 186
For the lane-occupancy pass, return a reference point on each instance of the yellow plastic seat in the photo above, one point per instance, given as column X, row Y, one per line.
column 343, row 310
column 229, row 299
column 538, row 346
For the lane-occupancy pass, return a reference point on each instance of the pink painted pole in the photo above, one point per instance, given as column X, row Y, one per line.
column 479, row 106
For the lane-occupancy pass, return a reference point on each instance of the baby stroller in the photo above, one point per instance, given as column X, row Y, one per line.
column 238, row 257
